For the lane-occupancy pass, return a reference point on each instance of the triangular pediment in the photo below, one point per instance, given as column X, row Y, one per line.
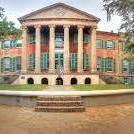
column 59, row 10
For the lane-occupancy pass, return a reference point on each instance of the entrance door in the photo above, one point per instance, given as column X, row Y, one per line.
column 59, row 81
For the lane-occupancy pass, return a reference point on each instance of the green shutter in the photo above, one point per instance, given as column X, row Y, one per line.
column 2, row 66
column 13, row 43
column 85, row 61
column 31, row 61
column 113, row 44
column 113, row 65
column 12, row 64
column 11, row 61
column 99, row 43
column 2, row 45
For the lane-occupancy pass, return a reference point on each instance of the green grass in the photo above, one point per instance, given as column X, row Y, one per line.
column 76, row 87
column 23, row 87
column 103, row 87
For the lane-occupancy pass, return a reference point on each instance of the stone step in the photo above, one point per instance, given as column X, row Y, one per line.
column 59, row 98
column 59, row 103
column 60, row 109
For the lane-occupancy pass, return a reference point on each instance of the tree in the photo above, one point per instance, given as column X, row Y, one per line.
column 7, row 28
column 125, row 9
column 1, row 12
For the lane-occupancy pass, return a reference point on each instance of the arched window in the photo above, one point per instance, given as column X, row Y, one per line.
column 30, row 81
column 87, row 81
column 44, row 81
column 59, row 81
column 73, row 81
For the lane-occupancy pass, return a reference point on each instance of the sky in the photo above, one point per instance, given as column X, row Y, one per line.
column 17, row 8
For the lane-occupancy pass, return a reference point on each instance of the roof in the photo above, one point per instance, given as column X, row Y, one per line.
column 108, row 33
column 55, row 5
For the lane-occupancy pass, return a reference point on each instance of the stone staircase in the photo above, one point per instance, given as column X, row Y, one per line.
column 8, row 79
column 59, row 104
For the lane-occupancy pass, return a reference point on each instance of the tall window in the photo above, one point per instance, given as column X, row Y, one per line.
column 32, row 38
column 109, row 64
column 32, row 61
column 105, row 64
column 128, row 80
column 11, row 64
column 19, row 43
column 99, row 43
column 75, row 37
column 85, row 38
column 125, row 66
column 44, row 61
column 43, row 38
column 73, row 61
column 18, row 63
column 58, row 60
column 108, row 44
column 6, row 64
column 123, row 45
column 6, row 44
column 128, row 66
column 59, row 40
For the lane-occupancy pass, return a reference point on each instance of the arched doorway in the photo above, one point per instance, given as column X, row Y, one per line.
column 44, row 81
column 73, row 81
column 59, row 81
column 87, row 81
column 30, row 81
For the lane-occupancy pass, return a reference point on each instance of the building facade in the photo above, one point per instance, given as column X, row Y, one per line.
column 60, row 45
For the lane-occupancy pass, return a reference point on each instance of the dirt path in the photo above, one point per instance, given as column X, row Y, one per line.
column 117, row 119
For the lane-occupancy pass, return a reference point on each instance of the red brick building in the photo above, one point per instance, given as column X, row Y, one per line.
column 60, row 45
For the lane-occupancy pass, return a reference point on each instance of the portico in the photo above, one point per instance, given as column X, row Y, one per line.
column 65, row 49
column 70, row 41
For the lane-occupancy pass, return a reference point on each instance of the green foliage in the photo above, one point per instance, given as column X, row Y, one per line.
column 103, row 87
column 125, row 9
column 7, row 27
column 23, row 87
column 1, row 12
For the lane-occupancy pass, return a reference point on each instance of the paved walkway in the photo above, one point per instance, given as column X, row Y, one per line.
column 116, row 119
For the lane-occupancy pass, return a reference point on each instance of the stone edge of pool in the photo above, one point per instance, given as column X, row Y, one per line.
column 73, row 93
column 90, row 98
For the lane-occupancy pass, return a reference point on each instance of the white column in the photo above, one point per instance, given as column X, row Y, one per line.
column 24, row 50
column 66, row 49
column 93, row 50
column 80, row 49
column 37, row 49
column 52, row 49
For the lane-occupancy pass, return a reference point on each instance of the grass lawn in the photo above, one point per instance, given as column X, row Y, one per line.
column 23, row 87
column 75, row 87
column 103, row 87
